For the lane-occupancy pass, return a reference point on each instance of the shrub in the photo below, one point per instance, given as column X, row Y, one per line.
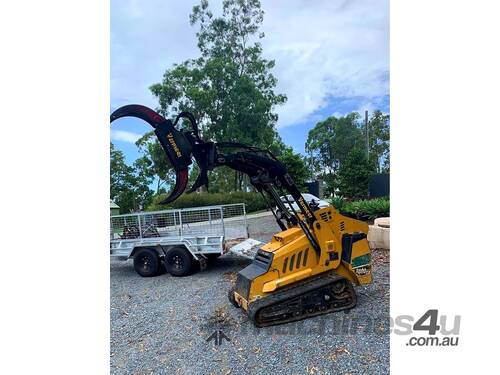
column 338, row 202
column 364, row 209
column 253, row 200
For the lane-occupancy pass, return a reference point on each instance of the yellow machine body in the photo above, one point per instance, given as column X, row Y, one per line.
column 344, row 250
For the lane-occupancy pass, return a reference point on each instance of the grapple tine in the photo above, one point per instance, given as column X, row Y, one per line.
column 175, row 143
column 139, row 111
column 180, row 185
column 201, row 180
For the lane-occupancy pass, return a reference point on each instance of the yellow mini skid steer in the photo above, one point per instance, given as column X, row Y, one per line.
column 307, row 269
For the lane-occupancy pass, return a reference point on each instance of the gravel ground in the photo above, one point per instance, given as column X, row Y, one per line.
column 161, row 325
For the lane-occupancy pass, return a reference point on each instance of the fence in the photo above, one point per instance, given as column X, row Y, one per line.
column 379, row 186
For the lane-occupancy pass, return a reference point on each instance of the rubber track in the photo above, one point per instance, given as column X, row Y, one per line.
column 295, row 291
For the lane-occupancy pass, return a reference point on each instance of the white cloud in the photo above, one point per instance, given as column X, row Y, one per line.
column 322, row 49
column 125, row 136
column 147, row 37
column 327, row 49
column 338, row 114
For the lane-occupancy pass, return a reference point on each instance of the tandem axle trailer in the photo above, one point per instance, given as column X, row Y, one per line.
column 176, row 240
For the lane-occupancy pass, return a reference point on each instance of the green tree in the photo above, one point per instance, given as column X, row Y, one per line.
column 119, row 172
column 129, row 187
column 379, row 134
column 386, row 165
column 354, row 175
column 230, row 87
column 329, row 143
column 295, row 163
column 225, row 179
column 154, row 163
column 296, row 167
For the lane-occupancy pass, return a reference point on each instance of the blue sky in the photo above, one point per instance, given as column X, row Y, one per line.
column 332, row 58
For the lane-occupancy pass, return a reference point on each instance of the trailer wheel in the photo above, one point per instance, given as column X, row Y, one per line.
column 178, row 261
column 147, row 262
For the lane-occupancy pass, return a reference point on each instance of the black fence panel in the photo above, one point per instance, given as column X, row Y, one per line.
column 313, row 188
column 379, row 186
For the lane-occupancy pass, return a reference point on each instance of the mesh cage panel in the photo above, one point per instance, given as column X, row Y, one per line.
column 226, row 220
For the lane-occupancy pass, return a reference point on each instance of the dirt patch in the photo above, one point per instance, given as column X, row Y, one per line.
column 336, row 353
column 380, row 256
column 230, row 277
column 220, row 318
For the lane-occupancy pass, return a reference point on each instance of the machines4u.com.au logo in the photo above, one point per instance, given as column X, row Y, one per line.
column 431, row 329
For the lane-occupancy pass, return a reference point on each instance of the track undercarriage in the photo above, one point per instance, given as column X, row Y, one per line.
column 321, row 295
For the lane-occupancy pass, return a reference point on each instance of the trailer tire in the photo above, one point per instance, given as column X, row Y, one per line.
column 178, row 261
column 146, row 262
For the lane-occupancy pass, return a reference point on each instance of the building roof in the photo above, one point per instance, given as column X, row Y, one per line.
column 113, row 204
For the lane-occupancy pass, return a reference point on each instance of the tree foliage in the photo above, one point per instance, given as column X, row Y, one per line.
column 129, row 186
column 230, row 87
column 293, row 162
column 154, row 163
column 379, row 135
column 354, row 175
column 330, row 141
column 336, row 144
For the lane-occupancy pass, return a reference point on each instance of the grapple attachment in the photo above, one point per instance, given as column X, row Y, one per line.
column 177, row 144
